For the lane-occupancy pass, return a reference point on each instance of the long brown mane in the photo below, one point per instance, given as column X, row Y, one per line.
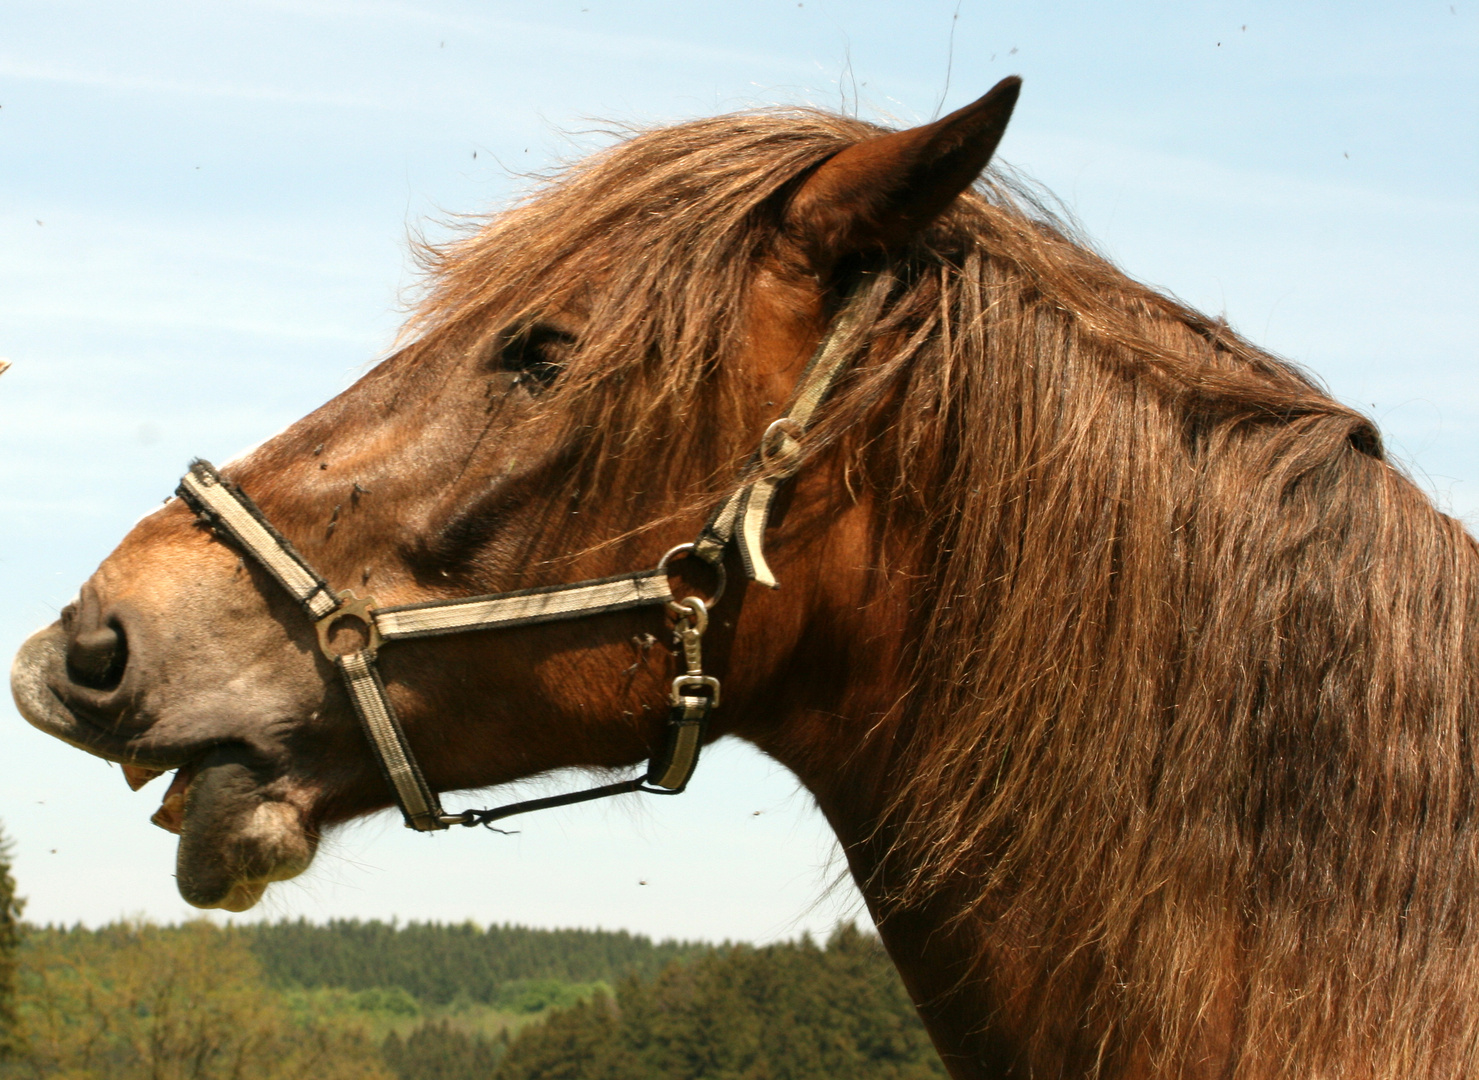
column 1193, row 684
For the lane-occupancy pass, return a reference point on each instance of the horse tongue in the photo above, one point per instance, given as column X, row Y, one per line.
column 139, row 775
column 171, row 813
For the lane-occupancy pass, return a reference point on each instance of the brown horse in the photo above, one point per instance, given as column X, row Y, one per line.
column 1137, row 685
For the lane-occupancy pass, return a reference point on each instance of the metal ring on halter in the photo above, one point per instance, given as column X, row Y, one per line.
column 350, row 607
column 786, row 426
column 682, row 550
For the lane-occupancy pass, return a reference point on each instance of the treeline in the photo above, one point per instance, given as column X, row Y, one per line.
column 377, row 1001
column 785, row 1012
column 437, row 963
column 170, row 1003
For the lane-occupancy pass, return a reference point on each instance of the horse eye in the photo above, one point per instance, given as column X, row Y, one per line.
column 535, row 354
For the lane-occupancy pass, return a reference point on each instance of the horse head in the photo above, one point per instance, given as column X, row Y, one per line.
column 587, row 378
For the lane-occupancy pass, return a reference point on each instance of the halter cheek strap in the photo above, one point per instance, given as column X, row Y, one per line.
column 741, row 519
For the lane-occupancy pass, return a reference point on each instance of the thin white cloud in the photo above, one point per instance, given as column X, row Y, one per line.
column 11, row 68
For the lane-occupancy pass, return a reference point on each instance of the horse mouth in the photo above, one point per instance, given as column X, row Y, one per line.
column 236, row 838
column 241, row 826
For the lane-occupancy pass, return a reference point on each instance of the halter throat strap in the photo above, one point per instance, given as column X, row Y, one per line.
column 743, row 518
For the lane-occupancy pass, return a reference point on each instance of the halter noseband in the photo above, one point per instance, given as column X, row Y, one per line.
column 740, row 519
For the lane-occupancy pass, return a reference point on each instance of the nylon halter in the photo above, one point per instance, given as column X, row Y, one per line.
column 741, row 519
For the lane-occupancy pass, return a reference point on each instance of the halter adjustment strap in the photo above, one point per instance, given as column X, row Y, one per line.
column 523, row 607
column 743, row 517
column 419, row 804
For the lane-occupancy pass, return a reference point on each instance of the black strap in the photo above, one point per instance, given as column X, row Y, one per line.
column 670, row 769
column 674, row 765
column 487, row 817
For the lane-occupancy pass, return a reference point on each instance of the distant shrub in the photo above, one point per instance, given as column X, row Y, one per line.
column 536, row 995
column 392, row 1001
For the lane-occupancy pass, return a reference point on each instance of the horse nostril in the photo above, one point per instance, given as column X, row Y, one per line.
column 96, row 658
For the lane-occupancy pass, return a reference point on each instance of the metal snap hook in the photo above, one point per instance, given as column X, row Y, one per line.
column 692, row 610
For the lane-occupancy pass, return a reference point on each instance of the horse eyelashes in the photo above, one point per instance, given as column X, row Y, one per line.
column 535, row 355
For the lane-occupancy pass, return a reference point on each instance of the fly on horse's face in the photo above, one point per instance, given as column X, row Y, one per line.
column 509, row 446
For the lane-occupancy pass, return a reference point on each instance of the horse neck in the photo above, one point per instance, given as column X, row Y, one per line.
column 842, row 755
column 822, row 675
column 815, row 674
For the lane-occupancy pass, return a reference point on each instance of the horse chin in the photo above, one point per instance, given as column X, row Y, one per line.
column 236, row 837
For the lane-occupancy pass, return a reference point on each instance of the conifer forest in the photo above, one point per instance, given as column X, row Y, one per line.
column 357, row 1000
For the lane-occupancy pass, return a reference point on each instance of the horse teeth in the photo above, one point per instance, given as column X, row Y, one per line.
column 139, row 775
column 171, row 813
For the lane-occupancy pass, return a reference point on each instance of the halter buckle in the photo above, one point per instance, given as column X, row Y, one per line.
column 349, row 607
column 781, row 442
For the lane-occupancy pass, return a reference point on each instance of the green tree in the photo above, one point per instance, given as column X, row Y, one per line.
column 438, row 1051
column 137, row 1002
column 10, row 930
column 584, row 1042
column 786, row 1012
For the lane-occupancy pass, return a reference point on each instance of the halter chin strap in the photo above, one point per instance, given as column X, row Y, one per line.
column 741, row 519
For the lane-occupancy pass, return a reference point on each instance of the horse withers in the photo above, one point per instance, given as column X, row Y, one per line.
column 1136, row 683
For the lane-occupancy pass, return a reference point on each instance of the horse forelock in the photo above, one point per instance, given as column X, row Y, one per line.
column 1192, row 690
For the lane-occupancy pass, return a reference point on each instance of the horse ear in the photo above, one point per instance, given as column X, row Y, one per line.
column 883, row 191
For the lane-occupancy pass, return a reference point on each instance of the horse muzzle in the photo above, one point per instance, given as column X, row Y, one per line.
column 239, row 827
column 94, row 718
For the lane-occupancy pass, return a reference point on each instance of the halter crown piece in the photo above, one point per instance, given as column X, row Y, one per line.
column 741, row 519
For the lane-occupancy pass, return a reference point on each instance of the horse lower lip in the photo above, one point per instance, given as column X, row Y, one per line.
column 237, row 832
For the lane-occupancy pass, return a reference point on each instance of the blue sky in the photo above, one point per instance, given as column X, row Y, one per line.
column 204, row 210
